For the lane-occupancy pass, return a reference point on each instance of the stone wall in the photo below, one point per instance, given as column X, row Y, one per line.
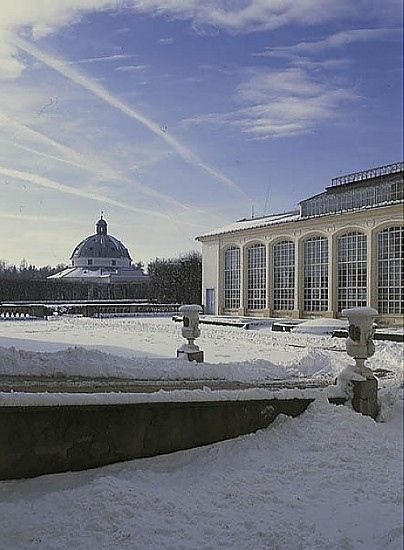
column 41, row 440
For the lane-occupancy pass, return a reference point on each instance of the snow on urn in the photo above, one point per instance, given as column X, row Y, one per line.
column 190, row 331
column 359, row 343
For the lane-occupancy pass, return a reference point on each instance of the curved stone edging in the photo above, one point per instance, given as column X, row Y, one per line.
column 48, row 439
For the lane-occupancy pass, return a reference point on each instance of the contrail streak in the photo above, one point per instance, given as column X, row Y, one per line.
column 97, row 89
column 56, row 186
column 79, row 160
column 72, row 156
column 30, row 217
column 116, row 57
column 45, row 155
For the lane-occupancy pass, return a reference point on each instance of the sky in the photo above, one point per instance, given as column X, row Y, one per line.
column 175, row 117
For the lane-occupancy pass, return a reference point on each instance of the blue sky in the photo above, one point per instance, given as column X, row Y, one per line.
column 175, row 117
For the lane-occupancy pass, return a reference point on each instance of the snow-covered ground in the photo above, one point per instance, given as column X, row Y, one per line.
column 145, row 348
column 329, row 479
column 152, row 337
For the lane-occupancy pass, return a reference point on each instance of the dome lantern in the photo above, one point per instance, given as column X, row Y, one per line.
column 101, row 226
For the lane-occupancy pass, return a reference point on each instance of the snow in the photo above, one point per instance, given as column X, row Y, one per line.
column 328, row 479
column 320, row 326
column 359, row 312
column 17, row 399
column 116, row 274
column 254, row 223
column 145, row 348
column 85, row 363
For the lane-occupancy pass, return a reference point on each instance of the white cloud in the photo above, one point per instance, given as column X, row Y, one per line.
column 102, row 58
column 53, row 185
column 281, row 103
column 95, row 165
column 289, row 103
column 298, row 98
column 258, row 15
column 268, row 85
column 325, row 64
column 132, row 68
column 36, row 218
column 46, row 17
column 168, row 40
column 234, row 16
column 71, row 156
column 335, row 40
column 23, row 15
column 102, row 93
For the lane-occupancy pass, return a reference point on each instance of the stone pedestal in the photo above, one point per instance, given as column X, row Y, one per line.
column 191, row 355
column 365, row 397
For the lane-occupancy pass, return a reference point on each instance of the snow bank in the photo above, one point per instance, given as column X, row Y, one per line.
column 329, row 479
column 290, row 360
column 91, row 363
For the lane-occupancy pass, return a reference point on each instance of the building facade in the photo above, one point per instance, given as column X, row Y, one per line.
column 342, row 248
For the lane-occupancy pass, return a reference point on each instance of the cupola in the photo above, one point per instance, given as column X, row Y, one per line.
column 101, row 226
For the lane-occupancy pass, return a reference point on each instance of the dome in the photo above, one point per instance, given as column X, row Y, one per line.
column 101, row 259
column 101, row 245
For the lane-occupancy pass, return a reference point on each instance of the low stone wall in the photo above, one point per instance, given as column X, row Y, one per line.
column 24, row 311
column 49, row 439
column 99, row 310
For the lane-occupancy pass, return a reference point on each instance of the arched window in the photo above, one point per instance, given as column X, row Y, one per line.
column 232, row 278
column 284, row 275
column 390, row 262
column 352, row 270
column 315, row 253
column 256, row 290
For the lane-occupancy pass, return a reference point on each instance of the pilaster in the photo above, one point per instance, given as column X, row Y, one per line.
column 243, row 281
column 372, row 290
column 332, row 277
column 269, row 279
column 220, row 280
column 299, row 276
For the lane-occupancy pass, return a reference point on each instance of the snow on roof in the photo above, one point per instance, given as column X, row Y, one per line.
column 265, row 221
column 81, row 272
column 99, row 273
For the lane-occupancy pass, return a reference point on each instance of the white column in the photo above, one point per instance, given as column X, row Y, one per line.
column 269, row 279
column 243, row 281
column 372, row 290
column 298, row 305
column 219, row 281
column 332, row 276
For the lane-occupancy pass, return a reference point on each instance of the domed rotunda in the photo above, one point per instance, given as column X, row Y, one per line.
column 101, row 258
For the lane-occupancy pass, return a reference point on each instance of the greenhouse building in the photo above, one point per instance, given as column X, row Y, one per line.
column 342, row 248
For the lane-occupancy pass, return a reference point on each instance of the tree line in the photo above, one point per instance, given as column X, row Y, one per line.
column 27, row 271
column 176, row 279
